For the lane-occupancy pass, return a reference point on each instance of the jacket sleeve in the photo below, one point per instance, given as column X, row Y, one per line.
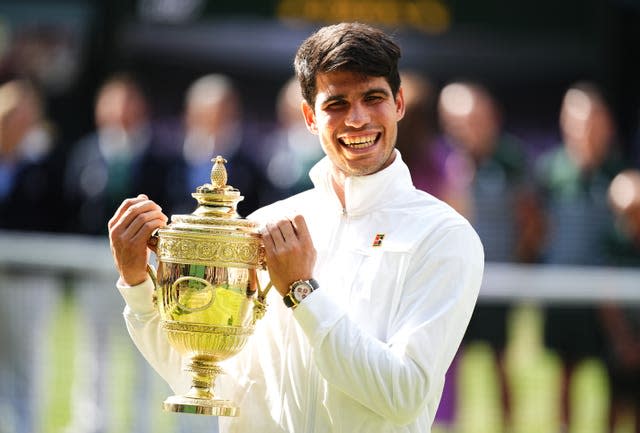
column 398, row 377
column 143, row 323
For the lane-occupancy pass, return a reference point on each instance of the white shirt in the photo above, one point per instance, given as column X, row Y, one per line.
column 368, row 350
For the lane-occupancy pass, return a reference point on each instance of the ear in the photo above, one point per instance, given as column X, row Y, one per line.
column 400, row 104
column 309, row 117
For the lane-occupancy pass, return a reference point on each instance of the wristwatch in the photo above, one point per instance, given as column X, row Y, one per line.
column 298, row 290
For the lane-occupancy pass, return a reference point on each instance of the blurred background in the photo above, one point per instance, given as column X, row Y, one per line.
column 523, row 116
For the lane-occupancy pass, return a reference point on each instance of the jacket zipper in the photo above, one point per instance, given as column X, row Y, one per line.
column 313, row 377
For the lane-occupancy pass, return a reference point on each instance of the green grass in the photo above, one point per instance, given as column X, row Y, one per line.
column 59, row 367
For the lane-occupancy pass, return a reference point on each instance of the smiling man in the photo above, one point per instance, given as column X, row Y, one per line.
column 376, row 281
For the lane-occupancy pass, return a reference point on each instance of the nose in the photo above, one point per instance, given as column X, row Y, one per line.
column 357, row 116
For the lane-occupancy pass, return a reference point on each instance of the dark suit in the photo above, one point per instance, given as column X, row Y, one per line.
column 95, row 186
column 32, row 196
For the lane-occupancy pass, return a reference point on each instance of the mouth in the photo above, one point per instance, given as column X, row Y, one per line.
column 359, row 142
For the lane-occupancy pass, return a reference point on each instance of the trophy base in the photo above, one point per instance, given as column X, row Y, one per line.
column 200, row 406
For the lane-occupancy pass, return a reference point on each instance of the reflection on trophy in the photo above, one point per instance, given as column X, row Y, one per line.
column 207, row 291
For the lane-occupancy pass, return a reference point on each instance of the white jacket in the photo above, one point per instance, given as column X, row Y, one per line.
column 368, row 351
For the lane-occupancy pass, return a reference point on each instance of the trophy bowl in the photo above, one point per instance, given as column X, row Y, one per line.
column 207, row 290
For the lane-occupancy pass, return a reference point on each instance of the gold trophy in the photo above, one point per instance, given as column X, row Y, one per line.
column 207, row 290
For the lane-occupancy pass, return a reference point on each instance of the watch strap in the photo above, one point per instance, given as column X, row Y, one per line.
column 289, row 300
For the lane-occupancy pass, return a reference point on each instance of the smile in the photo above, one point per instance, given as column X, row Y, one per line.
column 360, row 142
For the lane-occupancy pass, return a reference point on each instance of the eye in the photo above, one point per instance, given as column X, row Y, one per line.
column 335, row 105
column 373, row 98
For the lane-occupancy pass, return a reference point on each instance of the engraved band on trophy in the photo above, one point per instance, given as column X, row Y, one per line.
column 207, row 290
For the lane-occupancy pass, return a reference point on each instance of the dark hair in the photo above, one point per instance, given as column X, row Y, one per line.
column 353, row 47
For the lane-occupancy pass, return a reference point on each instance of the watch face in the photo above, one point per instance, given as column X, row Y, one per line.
column 301, row 290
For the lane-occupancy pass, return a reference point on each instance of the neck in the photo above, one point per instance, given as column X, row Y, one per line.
column 337, row 181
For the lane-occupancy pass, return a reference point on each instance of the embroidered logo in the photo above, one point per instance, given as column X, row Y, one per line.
column 377, row 241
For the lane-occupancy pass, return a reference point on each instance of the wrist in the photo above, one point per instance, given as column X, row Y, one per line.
column 298, row 291
column 134, row 279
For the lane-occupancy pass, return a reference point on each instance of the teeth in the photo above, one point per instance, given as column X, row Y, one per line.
column 359, row 142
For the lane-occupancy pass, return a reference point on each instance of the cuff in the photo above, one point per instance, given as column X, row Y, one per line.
column 317, row 314
column 139, row 298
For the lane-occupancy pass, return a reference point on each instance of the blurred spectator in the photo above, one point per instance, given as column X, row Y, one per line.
column 491, row 167
column 418, row 142
column 290, row 150
column 491, row 161
column 621, row 323
column 30, row 179
column 120, row 159
column 30, row 162
column 575, row 175
column 214, row 126
column 574, row 178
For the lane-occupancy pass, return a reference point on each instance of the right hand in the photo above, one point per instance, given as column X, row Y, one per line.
column 129, row 231
column 289, row 251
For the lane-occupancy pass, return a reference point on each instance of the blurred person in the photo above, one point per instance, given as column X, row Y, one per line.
column 491, row 166
column 621, row 323
column 392, row 272
column 573, row 178
column 575, row 175
column 214, row 125
column 30, row 178
column 418, row 141
column 492, row 162
column 121, row 157
column 30, row 162
column 290, row 150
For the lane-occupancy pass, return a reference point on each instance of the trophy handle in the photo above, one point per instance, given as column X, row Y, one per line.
column 260, row 301
column 154, row 280
column 153, row 240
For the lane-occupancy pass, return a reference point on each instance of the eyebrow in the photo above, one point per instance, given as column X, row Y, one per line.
column 340, row 97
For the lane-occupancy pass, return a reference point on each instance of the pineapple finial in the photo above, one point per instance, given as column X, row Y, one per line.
column 218, row 172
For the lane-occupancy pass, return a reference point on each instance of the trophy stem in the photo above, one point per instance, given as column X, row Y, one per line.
column 200, row 398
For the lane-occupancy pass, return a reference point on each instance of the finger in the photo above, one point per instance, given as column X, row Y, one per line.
column 143, row 234
column 276, row 235
column 119, row 233
column 267, row 240
column 145, row 223
column 300, row 226
column 287, row 231
column 124, row 206
column 269, row 246
column 136, row 209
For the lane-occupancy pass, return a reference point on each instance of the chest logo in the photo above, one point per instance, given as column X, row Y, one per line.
column 377, row 241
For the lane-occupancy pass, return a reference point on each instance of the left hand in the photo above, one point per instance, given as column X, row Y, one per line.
column 289, row 251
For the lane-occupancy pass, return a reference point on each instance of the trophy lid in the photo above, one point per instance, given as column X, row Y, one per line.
column 217, row 203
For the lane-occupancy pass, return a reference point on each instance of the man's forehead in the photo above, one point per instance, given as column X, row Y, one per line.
column 330, row 84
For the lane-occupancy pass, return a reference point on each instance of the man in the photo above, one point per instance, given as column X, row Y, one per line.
column 31, row 161
column 214, row 125
column 397, row 271
column 289, row 151
column 122, row 156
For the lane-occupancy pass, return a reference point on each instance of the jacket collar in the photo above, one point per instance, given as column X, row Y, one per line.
column 365, row 193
